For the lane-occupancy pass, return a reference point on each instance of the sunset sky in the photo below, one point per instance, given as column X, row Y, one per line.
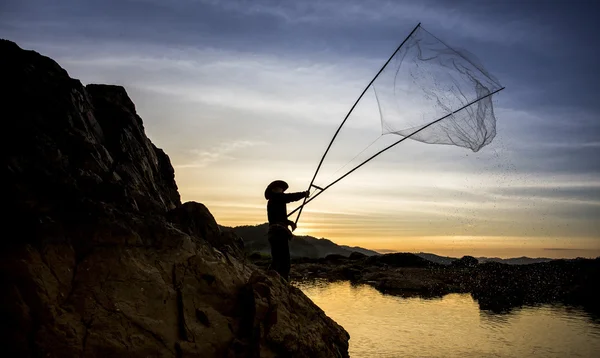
column 240, row 93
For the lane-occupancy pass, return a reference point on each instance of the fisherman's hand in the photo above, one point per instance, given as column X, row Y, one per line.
column 307, row 193
column 293, row 225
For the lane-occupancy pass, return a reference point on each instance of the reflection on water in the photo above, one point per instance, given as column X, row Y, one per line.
column 452, row 326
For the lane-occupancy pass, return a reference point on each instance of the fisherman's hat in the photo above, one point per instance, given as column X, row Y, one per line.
column 276, row 184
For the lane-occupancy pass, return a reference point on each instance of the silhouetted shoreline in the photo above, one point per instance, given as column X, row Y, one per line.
column 495, row 286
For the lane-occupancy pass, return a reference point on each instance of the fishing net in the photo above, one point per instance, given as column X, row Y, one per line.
column 442, row 93
column 428, row 92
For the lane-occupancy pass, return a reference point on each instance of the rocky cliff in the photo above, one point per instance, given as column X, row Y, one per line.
column 99, row 257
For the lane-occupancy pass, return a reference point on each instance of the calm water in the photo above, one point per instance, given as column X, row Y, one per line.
column 453, row 326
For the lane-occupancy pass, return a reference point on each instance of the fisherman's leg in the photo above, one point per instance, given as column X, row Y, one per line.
column 285, row 259
column 280, row 249
column 275, row 257
column 280, row 254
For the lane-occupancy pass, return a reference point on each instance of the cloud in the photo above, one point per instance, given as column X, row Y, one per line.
column 560, row 249
column 478, row 25
column 568, row 145
column 317, row 91
column 273, row 19
column 220, row 153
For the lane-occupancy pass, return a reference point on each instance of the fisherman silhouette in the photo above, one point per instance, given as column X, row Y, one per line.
column 279, row 234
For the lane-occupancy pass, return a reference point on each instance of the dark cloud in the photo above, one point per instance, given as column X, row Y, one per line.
column 544, row 54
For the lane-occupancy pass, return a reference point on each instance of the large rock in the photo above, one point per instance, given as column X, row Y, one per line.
column 99, row 256
column 465, row 261
column 196, row 220
column 399, row 259
column 70, row 151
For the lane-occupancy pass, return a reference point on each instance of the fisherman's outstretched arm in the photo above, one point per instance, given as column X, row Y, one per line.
column 291, row 197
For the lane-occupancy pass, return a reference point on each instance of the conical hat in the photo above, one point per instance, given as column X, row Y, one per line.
column 276, row 184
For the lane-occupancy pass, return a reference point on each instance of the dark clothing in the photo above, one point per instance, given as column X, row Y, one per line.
column 279, row 237
column 279, row 234
column 276, row 208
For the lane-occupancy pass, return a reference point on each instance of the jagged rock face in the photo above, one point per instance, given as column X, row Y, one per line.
column 145, row 169
column 102, row 260
column 67, row 144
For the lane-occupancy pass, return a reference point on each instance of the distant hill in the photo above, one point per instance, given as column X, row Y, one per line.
column 523, row 260
column 360, row 249
column 445, row 260
column 255, row 240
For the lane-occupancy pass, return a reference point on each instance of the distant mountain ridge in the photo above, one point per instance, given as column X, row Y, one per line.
column 255, row 240
column 523, row 260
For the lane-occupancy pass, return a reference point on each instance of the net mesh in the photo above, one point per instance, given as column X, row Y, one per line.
column 427, row 80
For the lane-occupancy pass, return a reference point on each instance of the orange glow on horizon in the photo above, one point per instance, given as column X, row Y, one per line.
column 455, row 246
column 416, row 212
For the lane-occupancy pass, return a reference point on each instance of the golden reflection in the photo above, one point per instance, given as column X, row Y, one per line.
column 452, row 326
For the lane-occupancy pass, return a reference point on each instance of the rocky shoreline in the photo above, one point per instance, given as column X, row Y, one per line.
column 495, row 286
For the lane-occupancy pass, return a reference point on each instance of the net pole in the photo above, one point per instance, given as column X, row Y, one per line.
column 348, row 115
column 392, row 145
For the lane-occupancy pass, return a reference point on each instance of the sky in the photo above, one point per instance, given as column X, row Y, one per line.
column 240, row 93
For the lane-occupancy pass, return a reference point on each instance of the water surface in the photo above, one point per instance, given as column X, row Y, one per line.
column 452, row 326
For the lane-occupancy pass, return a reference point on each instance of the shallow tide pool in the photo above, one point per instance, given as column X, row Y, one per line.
column 453, row 326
